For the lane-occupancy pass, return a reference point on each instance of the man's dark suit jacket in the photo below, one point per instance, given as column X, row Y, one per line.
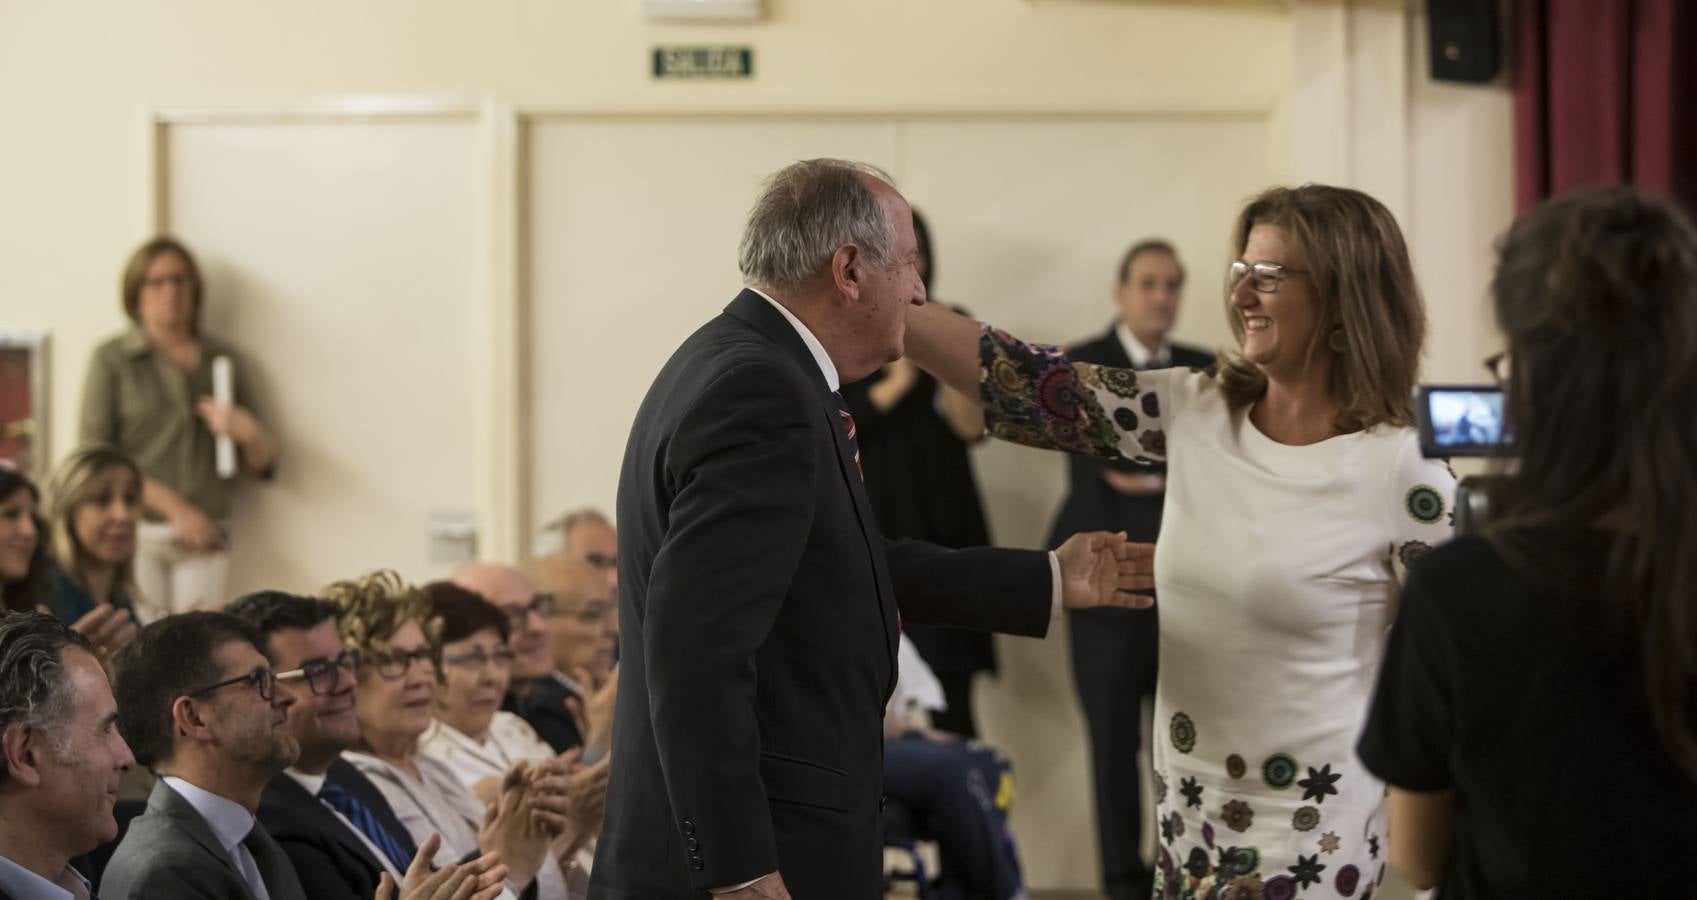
column 1091, row 503
column 170, row 851
column 331, row 860
column 542, row 704
column 758, row 610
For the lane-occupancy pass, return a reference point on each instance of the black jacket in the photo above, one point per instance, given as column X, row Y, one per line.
column 758, row 616
column 331, row 860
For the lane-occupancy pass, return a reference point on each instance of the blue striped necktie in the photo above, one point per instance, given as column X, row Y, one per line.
column 360, row 814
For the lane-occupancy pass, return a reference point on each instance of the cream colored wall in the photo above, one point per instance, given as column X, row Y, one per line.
column 76, row 82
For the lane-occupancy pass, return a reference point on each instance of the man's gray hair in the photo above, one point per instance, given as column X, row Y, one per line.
column 805, row 213
column 553, row 538
column 34, row 690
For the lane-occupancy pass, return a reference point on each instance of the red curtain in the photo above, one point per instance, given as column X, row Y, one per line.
column 1606, row 92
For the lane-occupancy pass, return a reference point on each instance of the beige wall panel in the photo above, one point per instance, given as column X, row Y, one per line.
column 633, row 237
column 340, row 257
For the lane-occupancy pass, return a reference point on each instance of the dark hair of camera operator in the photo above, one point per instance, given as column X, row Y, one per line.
column 1536, row 713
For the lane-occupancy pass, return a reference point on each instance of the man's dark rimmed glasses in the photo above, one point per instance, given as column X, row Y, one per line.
column 541, row 604
column 261, row 679
column 322, row 675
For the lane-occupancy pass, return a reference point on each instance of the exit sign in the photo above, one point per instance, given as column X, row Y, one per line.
column 704, row 62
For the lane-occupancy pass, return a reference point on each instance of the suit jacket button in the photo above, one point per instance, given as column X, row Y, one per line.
column 689, row 827
column 692, row 844
column 698, row 863
column 881, row 801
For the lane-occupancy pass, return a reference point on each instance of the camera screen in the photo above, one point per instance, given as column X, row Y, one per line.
column 1460, row 420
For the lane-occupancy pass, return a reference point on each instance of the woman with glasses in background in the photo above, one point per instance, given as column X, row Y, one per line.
column 149, row 393
column 392, row 626
column 478, row 741
column 1536, row 716
column 1296, row 495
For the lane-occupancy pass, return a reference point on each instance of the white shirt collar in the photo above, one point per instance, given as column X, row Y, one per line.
column 817, row 349
column 229, row 820
column 1140, row 355
column 22, row 884
column 312, row 783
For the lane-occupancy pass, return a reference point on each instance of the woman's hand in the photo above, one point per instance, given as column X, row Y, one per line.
column 108, row 628
column 259, row 451
column 194, row 530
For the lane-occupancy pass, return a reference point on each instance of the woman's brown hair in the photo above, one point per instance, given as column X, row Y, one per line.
column 135, row 274
column 1597, row 294
column 1357, row 262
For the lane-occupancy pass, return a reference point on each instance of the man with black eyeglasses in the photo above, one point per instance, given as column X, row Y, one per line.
column 198, row 704
column 331, row 821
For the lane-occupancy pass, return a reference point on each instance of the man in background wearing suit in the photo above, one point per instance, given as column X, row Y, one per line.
column 1113, row 650
column 758, row 600
column 62, row 757
column 198, row 703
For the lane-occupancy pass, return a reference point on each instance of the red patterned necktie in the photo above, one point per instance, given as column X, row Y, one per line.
column 848, row 431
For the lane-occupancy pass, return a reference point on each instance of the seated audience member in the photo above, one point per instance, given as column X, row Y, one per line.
column 62, row 755
column 958, row 792
column 478, row 741
column 390, row 624
column 1558, row 642
column 585, row 536
column 94, row 501
column 197, row 702
column 24, row 562
column 539, row 692
column 331, row 821
column 583, row 642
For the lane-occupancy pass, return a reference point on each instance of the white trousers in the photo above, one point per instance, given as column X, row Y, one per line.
column 172, row 579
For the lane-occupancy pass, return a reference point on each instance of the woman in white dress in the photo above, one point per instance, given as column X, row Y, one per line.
column 1296, row 495
column 391, row 624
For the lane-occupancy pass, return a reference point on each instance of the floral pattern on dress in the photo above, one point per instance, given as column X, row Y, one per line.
column 1237, row 815
column 1279, row 887
column 1034, row 395
column 1236, row 767
column 1320, row 783
column 1192, row 792
column 1183, row 733
column 1411, row 551
column 1305, row 819
column 1349, row 878
column 1329, row 842
column 1425, row 505
column 1307, row 870
column 1279, row 771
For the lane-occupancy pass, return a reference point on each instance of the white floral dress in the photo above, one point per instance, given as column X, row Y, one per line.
column 1275, row 571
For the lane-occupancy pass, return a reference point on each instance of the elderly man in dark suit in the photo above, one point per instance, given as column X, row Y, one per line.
column 1114, row 650
column 759, row 604
column 60, row 757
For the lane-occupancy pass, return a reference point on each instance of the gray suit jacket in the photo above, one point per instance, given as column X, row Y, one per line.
column 170, row 851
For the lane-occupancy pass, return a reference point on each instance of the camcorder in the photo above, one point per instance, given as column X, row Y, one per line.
column 1463, row 420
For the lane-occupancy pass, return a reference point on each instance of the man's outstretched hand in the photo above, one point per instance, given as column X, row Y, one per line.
column 1100, row 568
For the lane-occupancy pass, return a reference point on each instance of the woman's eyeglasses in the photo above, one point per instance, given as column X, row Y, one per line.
column 503, row 659
column 1266, row 275
column 396, row 664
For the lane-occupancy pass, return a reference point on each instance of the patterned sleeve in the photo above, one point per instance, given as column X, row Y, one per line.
column 1034, row 395
column 1425, row 512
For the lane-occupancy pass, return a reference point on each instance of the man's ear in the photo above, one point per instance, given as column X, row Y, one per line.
column 23, row 747
column 847, row 269
column 186, row 719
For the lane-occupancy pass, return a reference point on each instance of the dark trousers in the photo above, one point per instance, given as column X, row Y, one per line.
column 952, row 789
column 1113, row 666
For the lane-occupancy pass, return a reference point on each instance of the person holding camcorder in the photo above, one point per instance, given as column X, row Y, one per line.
column 1536, row 713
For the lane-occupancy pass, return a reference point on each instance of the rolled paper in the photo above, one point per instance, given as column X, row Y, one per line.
column 224, row 394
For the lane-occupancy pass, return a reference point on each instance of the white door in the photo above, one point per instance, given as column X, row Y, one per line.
column 340, row 258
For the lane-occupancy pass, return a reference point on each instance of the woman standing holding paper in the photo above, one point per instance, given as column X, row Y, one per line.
column 156, row 392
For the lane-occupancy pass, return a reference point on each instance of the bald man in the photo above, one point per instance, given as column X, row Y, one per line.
column 539, row 690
